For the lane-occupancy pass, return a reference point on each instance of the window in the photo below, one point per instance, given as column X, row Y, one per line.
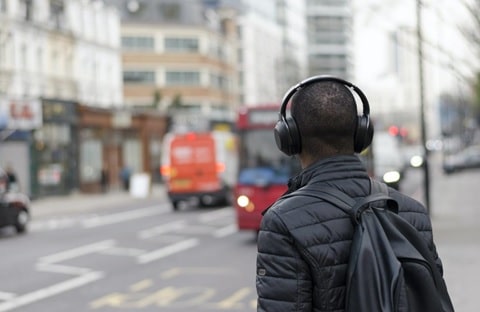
column 139, row 77
column 184, row 78
column 138, row 43
column 57, row 13
column 3, row 6
column 328, row 2
column 218, row 81
column 181, row 44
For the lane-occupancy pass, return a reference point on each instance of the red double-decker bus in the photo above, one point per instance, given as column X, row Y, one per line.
column 263, row 170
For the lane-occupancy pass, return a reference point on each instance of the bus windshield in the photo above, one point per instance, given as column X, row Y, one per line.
column 261, row 163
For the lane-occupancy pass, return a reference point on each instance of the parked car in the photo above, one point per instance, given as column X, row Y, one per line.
column 14, row 205
column 465, row 159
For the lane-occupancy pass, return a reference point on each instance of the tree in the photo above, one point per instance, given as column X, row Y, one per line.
column 472, row 34
column 157, row 98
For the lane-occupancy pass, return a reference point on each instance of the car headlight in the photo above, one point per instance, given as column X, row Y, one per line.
column 391, row 177
column 416, row 161
column 243, row 201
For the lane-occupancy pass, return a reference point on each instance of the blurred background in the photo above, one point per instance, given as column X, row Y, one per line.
column 92, row 85
column 104, row 107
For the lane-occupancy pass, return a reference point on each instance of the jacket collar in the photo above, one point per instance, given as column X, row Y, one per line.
column 326, row 169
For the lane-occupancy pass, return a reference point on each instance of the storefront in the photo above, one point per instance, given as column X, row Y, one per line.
column 55, row 149
column 112, row 140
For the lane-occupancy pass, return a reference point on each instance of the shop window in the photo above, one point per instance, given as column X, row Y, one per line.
column 90, row 160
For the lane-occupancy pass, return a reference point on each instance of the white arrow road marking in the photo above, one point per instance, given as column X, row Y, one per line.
column 50, row 291
column 49, row 264
column 167, row 251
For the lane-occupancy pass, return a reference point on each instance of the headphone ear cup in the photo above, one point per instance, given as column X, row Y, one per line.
column 287, row 136
column 281, row 136
column 363, row 134
column 295, row 139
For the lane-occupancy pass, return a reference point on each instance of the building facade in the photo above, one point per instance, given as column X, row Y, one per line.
column 57, row 56
column 330, row 37
column 181, row 57
column 293, row 67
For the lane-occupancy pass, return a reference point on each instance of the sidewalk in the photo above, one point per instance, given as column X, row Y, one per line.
column 86, row 203
column 455, row 215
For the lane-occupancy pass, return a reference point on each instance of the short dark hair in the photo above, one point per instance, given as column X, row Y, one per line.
column 326, row 116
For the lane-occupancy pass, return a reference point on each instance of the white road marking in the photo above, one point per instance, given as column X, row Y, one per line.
column 49, row 264
column 215, row 215
column 225, row 231
column 167, row 251
column 50, row 291
column 123, row 216
column 161, row 229
column 120, row 251
column 6, row 295
column 77, row 252
column 62, row 269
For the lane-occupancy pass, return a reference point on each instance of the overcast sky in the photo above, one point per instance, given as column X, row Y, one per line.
column 376, row 18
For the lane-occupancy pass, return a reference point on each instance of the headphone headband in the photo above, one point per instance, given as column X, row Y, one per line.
column 288, row 95
column 287, row 135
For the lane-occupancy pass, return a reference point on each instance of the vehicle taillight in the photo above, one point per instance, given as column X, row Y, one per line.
column 165, row 171
column 220, row 167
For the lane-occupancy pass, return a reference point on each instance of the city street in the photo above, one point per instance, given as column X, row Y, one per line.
column 118, row 253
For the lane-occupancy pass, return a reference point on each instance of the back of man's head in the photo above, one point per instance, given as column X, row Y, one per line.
column 326, row 116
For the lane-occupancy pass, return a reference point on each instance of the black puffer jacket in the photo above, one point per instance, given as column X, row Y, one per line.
column 304, row 243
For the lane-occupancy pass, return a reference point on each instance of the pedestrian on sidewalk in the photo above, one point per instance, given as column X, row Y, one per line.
column 303, row 242
column 104, row 180
column 125, row 174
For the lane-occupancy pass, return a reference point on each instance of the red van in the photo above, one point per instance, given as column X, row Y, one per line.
column 199, row 168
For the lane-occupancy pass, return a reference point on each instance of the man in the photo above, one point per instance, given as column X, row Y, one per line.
column 303, row 242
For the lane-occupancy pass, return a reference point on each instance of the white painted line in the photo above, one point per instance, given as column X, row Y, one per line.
column 62, row 269
column 197, row 229
column 167, row 251
column 6, row 296
column 225, row 231
column 214, row 215
column 119, row 251
column 50, row 291
column 122, row 216
column 77, row 252
column 161, row 229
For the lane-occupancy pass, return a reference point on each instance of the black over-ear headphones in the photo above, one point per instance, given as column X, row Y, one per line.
column 286, row 131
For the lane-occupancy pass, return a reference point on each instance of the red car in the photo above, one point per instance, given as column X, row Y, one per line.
column 14, row 206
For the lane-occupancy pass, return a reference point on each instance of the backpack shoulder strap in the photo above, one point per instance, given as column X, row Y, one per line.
column 352, row 207
column 329, row 194
column 377, row 187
